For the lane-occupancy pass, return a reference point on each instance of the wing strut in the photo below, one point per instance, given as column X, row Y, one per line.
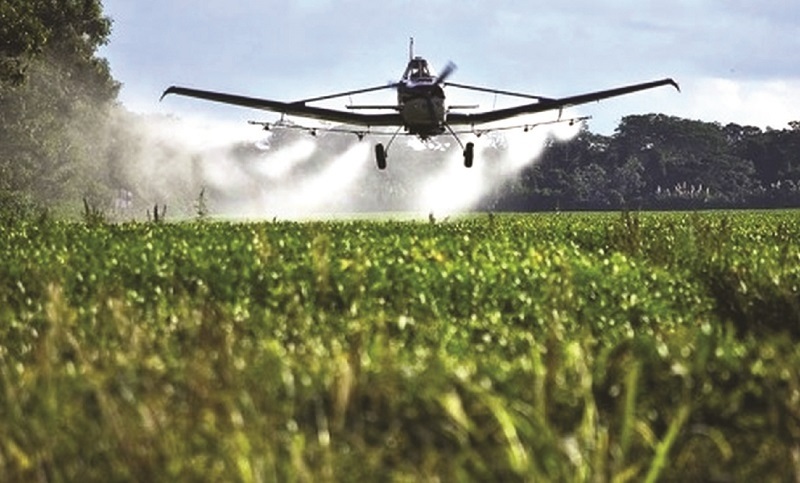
column 497, row 91
column 348, row 93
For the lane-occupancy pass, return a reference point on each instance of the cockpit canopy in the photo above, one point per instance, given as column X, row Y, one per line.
column 417, row 70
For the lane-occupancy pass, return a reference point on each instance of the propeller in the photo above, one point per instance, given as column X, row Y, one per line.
column 446, row 72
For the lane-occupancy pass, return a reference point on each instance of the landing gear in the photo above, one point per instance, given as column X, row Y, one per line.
column 469, row 148
column 380, row 150
column 469, row 154
column 380, row 156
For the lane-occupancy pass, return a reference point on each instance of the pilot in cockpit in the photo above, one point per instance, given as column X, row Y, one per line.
column 418, row 69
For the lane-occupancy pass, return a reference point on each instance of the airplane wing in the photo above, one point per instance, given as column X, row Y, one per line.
column 298, row 108
column 547, row 104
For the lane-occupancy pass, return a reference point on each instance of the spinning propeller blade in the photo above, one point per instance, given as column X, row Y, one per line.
column 446, row 72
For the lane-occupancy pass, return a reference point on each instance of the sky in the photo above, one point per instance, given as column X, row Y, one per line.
column 736, row 60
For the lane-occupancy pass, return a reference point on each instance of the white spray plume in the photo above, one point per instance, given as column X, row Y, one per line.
column 289, row 174
column 281, row 162
column 499, row 156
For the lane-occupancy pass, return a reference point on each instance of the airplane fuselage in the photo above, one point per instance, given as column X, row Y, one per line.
column 423, row 116
column 420, row 100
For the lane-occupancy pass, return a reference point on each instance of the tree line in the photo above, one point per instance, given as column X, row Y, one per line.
column 656, row 161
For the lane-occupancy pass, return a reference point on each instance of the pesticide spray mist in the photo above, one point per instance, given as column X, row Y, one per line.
column 244, row 172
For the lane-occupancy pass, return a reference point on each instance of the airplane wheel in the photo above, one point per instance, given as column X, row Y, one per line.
column 469, row 154
column 380, row 156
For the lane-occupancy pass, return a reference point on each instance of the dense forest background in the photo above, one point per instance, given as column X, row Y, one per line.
column 656, row 161
column 65, row 141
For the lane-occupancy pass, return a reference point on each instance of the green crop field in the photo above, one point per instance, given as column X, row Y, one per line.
column 561, row 347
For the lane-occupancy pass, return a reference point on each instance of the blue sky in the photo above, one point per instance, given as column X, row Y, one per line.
column 736, row 60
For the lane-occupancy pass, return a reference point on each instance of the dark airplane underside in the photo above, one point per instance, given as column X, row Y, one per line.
column 424, row 117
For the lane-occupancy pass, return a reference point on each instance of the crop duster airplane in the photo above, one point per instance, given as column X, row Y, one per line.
column 420, row 109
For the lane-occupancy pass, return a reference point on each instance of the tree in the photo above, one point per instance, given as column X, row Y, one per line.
column 28, row 27
column 22, row 35
column 54, row 97
column 626, row 183
column 589, row 187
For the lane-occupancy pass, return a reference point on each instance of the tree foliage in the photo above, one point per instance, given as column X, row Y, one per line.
column 30, row 27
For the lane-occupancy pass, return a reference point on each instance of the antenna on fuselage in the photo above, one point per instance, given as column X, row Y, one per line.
column 411, row 49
